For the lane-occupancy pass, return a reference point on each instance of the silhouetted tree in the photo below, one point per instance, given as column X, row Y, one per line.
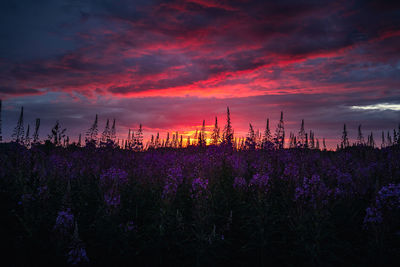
column 150, row 144
column 36, row 133
column 317, row 145
column 167, row 141
column 323, row 143
column 57, row 134
column 18, row 134
column 383, row 144
column 132, row 140
column 139, row 139
column 157, row 141
column 250, row 139
column 202, row 135
column 174, row 141
column 91, row 134
column 267, row 138
column 241, row 143
column 360, row 137
column 302, row 135
column 80, row 140
column 106, row 135
column 228, row 131
column 345, row 139
column 279, row 138
column 215, row 137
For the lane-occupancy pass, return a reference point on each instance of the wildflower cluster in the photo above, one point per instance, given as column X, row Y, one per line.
column 312, row 192
column 111, row 180
column 64, row 222
column 239, row 183
column 172, row 182
column 199, row 188
column 387, row 202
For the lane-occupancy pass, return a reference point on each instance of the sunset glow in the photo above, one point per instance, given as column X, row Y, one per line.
column 170, row 64
column 200, row 132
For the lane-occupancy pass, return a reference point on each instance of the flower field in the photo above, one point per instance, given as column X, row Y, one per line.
column 199, row 206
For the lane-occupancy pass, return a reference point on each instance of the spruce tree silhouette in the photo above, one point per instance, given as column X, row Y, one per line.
column 250, row 139
column 267, row 139
column 228, row 131
column 302, row 135
column 215, row 137
column 203, row 135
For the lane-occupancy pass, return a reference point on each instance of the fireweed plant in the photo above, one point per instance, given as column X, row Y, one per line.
column 253, row 203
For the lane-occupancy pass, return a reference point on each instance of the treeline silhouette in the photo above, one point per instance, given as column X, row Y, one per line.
column 217, row 201
column 217, row 137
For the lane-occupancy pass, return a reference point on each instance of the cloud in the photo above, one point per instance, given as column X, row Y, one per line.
column 9, row 91
column 254, row 55
column 383, row 106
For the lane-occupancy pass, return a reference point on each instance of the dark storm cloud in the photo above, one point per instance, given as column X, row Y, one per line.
column 19, row 91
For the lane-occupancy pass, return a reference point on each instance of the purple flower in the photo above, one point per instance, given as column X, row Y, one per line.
column 64, row 222
column 387, row 200
column 373, row 216
column 199, row 188
column 112, row 199
column 110, row 181
column 113, row 176
column 260, row 181
column 389, row 197
column 77, row 254
column 291, row 171
column 312, row 192
column 174, row 179
column 344, row 184
column 239, row 183
column 128, row 227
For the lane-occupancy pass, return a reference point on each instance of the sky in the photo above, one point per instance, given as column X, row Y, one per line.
column 170, row 64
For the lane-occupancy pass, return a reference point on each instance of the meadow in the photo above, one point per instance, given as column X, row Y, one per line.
column 199, row 206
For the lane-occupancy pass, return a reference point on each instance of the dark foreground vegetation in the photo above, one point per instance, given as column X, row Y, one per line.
column 199, row 206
